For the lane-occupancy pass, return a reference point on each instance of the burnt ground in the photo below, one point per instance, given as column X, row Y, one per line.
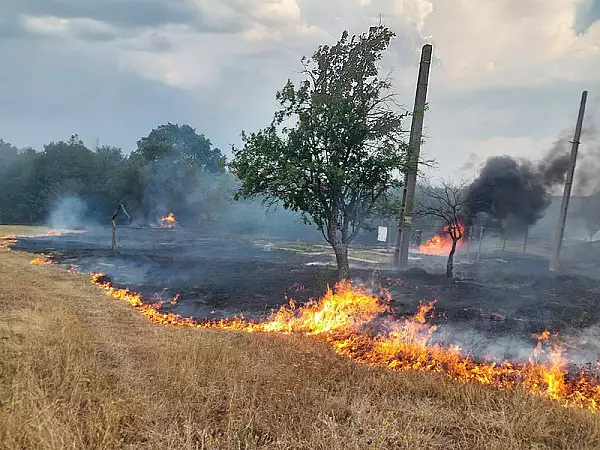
column 491, row 307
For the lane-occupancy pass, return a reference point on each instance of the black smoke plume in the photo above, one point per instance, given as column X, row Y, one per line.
column 509, row 190
column 514, row 191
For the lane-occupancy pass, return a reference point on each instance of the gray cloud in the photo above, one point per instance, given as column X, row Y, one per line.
column 120, row 13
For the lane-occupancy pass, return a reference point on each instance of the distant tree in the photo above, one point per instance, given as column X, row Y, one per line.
column 589, row 211
column 8, row 155
column 181, row 142
column 335, row 143
column 448, row 204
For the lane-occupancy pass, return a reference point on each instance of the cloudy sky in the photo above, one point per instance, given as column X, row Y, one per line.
column 507, row 74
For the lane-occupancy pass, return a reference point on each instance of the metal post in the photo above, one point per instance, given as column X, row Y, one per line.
column 560, row 228
column 414, row 148
column 480, row 241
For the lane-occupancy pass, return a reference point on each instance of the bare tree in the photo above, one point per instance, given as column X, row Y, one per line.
column 589, row 211
column 447, row 203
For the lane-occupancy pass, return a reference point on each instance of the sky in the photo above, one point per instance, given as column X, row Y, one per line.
column 506, row 77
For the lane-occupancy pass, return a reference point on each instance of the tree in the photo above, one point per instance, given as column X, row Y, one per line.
column 334, row 143
column 447, row 203
column 181, row 142
column 8, row 155
column 589, row 211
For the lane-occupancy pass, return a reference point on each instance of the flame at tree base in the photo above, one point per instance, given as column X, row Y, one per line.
column 441, row 243
column 346, row 316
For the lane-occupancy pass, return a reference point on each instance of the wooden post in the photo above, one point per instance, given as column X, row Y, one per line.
column 114, row 236
column 414, row 147
column 470, row 229
column 480, row 241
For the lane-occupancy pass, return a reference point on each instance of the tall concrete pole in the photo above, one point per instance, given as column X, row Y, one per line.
column 414, row 149
column 562, row 220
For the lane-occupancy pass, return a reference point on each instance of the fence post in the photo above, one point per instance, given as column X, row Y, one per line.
column 480, row 241
column 469, row 230
column 525, row 241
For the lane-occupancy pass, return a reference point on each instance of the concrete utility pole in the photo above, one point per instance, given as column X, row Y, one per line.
column 414, row 149
column 562, row 220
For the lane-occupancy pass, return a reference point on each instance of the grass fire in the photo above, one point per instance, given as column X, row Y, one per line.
column 325, row 278
column 344, row 318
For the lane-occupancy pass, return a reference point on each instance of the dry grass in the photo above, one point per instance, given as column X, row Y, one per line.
column 20, row 230
column 80, row 370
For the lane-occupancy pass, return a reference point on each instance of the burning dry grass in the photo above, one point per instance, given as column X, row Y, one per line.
column 79, row 370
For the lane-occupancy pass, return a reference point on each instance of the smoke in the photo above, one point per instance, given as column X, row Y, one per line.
column 508, row 190
column 68, row 212
column 519, row 191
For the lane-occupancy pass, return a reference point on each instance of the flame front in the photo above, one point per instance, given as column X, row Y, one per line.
column 441, row 243
column 168, row 221
column 359, row 325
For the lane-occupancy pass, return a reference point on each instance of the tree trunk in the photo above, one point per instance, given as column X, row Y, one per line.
column 341, row 257
column 450, row 264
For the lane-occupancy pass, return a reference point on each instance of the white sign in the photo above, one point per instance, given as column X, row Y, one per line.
column 382, row 234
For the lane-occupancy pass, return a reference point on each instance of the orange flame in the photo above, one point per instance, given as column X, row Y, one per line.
column 6, row 241
column 441, row 244
column 343, row 317
column 168, row 221
column 41, row 260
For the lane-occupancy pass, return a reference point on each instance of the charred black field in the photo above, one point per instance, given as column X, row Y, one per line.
column 490, row 308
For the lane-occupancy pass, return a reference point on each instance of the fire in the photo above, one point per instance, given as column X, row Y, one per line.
column 359, row 325
column 168, row 221
column 41, row 260
column 7, row 241
column 441, row 244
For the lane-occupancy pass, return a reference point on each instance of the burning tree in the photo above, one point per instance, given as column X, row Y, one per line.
column 447, row 203
column 336, row 157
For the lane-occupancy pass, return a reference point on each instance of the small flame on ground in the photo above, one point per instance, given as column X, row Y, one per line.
column 441, row 243
column 168, row 221
column 41, row 260
column 344, row 317
column 7, row 241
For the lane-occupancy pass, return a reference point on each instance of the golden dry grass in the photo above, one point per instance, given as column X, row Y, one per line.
column 80, row 370
column 20, row 230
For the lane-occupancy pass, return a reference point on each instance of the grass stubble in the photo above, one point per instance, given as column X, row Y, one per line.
column 79, row 370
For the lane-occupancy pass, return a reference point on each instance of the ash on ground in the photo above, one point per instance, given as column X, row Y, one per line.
column 491, row 307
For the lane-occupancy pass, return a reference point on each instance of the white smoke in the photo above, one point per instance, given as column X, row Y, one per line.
column 68, row 213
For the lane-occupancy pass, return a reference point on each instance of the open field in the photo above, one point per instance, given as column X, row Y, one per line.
column 21, row 230
column 492, row 307
column 80, row 370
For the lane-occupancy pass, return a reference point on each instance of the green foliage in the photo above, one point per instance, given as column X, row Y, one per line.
column 181, row 143
column 68, row 173
column 335, row 142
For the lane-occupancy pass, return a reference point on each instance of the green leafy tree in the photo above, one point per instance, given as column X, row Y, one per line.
column 335, row 142
column 181, row 142
column 8, row 155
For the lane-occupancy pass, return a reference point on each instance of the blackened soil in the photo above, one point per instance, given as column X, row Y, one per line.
column 218, row 277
